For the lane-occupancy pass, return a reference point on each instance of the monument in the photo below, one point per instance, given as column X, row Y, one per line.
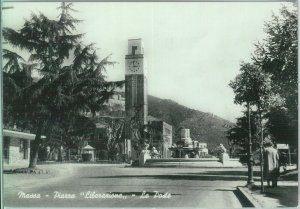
column 188, row 148
column 136, row 102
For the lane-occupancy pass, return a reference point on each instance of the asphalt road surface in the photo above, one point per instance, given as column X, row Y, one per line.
column 119, row 186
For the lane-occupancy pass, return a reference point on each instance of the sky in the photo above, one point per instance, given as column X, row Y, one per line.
column 192, row 49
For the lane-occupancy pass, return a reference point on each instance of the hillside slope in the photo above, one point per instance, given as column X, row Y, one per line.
column 205, row 127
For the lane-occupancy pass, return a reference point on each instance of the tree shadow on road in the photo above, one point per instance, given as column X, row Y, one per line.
column 287, row 195
column 229, row 173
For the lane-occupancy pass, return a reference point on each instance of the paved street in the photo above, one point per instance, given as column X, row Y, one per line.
column 182, row 187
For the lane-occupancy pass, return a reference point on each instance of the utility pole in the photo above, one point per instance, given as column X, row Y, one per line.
column 250, row 182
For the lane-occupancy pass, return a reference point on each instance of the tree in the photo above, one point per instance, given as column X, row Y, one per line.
column 252, row 86
column 112, row 138
column 272, row 78
column 238, row 134
column 115, row 131
column 15, row 77
column 70, row 134
column 277, row 56
column 280, row 125
column 71, row 74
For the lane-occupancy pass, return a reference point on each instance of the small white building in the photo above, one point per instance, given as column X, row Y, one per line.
column 16, row 147
column 88, row 150
column 202, row 146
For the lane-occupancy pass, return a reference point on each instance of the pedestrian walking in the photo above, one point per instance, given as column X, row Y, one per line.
column 271, row 164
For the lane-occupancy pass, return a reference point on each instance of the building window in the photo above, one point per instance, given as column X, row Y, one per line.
column 100, row 136
column 6, row 142
column 25, row 147
column 134, row 50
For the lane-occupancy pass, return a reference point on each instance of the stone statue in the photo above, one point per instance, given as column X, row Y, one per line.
column 222, row 148
column 223, row 156
column 154, row 153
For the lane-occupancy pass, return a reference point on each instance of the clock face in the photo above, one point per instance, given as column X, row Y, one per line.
column 134, row 66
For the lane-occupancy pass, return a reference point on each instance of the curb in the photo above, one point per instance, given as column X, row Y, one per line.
column 247, row 198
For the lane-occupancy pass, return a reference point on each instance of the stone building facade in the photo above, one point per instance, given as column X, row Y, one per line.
column 117, row 100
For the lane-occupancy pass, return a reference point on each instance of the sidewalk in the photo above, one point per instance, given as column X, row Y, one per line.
column 57, row 172
column 285, row 195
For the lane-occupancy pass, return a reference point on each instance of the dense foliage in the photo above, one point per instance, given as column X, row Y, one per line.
column 270, row 82
column 238, row 134
column 70, row 78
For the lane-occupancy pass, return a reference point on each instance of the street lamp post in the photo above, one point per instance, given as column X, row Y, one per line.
column 250, row 181
column 262, row 189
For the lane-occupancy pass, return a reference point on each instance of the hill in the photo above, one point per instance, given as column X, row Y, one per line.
column 204, row 127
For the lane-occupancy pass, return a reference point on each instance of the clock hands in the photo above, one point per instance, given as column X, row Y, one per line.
column 134, row 66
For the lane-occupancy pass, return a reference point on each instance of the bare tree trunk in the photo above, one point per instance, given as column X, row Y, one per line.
column 250, row 181
column 48, row 136
column 69, row 154
column 34, row 147
column 262, row 189
column 50, row 155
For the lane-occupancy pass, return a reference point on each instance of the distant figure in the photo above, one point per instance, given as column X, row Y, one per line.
column 154, row 153
column 192, row 155
column 271, row 164
column 222, row 148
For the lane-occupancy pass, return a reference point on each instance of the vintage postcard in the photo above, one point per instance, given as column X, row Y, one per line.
column 149, row 104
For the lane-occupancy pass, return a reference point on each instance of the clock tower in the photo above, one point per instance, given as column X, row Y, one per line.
column 136, row 102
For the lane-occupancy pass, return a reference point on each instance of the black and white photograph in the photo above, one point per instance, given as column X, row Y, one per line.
column 149, row 104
